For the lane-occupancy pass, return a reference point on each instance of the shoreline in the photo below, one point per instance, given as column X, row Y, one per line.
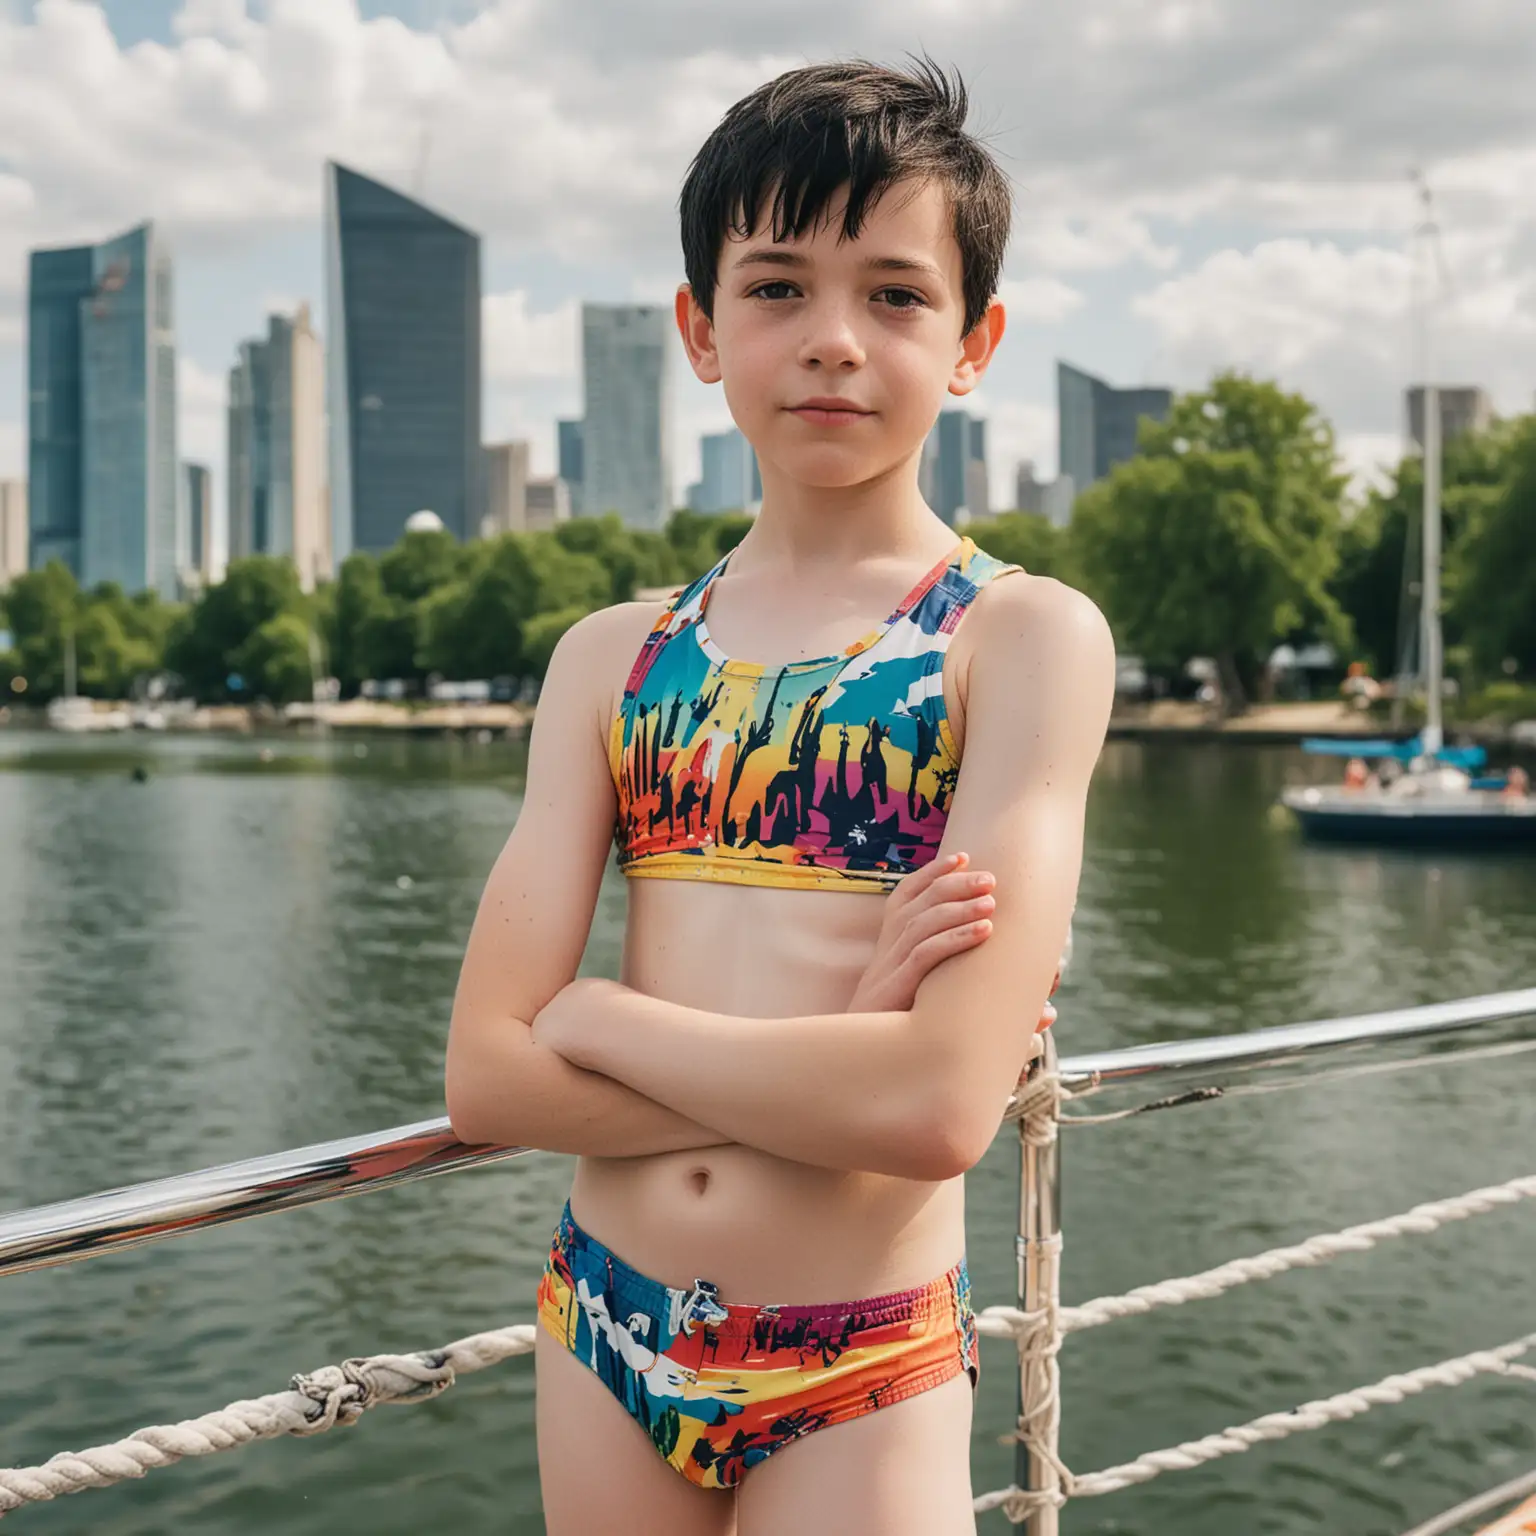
column 1163, row 720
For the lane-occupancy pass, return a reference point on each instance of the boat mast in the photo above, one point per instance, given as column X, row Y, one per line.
column 1431, row 652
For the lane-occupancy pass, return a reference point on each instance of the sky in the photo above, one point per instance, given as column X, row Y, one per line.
column 1199, row 184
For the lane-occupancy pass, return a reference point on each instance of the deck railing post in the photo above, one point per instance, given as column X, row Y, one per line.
column 1039, row 1260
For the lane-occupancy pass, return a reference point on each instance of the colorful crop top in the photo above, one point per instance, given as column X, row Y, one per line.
column 833, row 773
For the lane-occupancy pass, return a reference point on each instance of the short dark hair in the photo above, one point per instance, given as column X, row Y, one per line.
column 783, row 152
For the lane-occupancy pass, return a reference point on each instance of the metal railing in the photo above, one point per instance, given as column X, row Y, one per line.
column 1196, row 1070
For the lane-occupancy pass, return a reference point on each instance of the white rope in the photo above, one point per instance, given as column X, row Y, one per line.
column 1005, row 1321
column 1018, row 1504
column 335, row 1394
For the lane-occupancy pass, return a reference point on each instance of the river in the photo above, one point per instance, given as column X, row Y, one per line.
column 256, row 948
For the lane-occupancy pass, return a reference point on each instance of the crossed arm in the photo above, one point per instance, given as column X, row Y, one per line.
column 916, row 1093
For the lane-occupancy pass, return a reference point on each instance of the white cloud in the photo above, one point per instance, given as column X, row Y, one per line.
column 1339, row 323
column 1368, row 457
column 1039, row 300
column 1067, row 240
column 521, row 345
column 1277, row 305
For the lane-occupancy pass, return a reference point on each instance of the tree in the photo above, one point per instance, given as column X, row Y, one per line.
column 1379, row 574
column 633, row 557
column 275, row 661
column 42, row 607
column 1027, row 539
column 1492, row 569
column 700, row 538
column 1221, row 537
column 542, row 634
column 204, row 648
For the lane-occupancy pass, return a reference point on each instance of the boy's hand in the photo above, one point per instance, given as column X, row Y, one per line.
column 941, row 910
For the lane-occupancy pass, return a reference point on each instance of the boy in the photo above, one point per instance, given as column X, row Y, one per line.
column 775, row 1105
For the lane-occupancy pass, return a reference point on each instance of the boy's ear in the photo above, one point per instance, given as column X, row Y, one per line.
column 698, row 333
column 977, row 347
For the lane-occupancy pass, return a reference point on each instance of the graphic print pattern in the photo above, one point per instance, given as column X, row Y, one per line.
column 719, row 1388
column 832, row 772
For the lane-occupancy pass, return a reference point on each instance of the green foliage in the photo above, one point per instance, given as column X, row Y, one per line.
column 633, row 557
column 206, row 649
column 700, row 539
column 1381, row 553
column 1491, row 577
column 542, row 633
column 275, row 661
column 42, row 607
column 1221, row 538
column 1027, row 539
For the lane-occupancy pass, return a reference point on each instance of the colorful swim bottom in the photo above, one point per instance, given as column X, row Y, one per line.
column 718, row 1386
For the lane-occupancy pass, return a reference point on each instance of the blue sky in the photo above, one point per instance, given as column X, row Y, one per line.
column 1200, row 183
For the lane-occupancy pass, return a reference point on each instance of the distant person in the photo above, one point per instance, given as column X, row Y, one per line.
column 756, row 1307
column 1357, row 775
column 1517, row 784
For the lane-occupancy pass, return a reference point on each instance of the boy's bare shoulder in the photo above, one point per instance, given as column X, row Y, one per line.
column 598, row 650
column 1027, row 617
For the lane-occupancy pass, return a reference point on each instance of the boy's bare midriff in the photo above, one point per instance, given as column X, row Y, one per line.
column 764, row 1229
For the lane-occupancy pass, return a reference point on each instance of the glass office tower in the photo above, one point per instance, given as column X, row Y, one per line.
column 101, row 363
column 1097, row 424
column 402, row 364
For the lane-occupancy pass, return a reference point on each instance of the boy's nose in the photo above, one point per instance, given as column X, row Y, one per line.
column 832, row 343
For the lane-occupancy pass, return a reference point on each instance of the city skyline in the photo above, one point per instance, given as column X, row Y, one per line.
column 1163, row 228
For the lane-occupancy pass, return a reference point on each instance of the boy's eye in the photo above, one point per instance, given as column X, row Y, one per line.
column 901, row 298
column 774, row 290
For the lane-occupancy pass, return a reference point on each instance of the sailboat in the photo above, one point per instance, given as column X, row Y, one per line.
column 1433, row 798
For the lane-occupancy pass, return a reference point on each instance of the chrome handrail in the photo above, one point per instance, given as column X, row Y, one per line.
column 116, row 1219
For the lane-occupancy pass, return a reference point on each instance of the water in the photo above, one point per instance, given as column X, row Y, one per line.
column 225, row 960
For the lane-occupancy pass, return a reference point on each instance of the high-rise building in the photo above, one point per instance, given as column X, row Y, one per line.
column 276, row 490
column 548, row 501
column 1097, row 423
column 954, row 468
column 625, row 463
column 728, row 480
column 570, row 468
column 403, row 376
column 505, row 473
column 14, row 536
column 1028, row 492
column 101, row 420
column 1463, row 408
column 197, row 493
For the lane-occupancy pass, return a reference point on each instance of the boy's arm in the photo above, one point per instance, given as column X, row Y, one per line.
column 532, row 926
column 920, row 1093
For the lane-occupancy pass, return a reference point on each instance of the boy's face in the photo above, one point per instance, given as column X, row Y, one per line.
column 836, row 355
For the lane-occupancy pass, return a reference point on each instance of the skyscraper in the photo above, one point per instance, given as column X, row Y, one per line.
column 728, row 478
column 101, row 429
column 1463, row 408
column 625, row 466
column 505, row 473
column 570, row 466
column 403, row 374
column 13, row 530
column 197, row 490
column 1097, row 424
column 276, row 491
column 954, row 468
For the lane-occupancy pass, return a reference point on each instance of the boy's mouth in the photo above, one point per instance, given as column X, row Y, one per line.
column 829, row 411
